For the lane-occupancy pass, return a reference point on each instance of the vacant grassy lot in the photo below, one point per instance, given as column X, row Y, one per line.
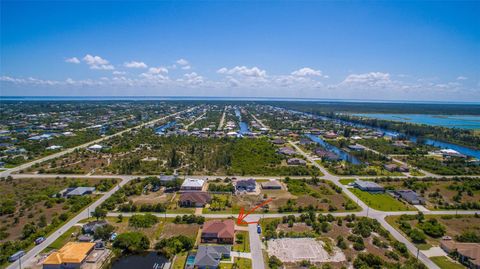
column 244, row 244
column 446, row 263
column 454, row 225
column 383, row 201
column 171, row 229
column 239, row 263
column 180, row 260
column 347, row 181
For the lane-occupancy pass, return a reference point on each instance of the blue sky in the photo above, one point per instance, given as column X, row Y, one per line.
column 352, row 50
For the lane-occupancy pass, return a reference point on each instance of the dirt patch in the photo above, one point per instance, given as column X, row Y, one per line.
column 152, row 198
column 298, row 249
column 172, row 229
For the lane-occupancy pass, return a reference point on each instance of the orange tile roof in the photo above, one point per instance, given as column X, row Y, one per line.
column 72, row 252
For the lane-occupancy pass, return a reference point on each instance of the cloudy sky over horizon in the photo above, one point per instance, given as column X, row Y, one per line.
column 362, row 50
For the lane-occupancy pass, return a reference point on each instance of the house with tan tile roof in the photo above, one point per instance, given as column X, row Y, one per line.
column 72, row 255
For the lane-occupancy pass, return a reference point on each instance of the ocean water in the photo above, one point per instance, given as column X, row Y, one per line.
column 449, row 121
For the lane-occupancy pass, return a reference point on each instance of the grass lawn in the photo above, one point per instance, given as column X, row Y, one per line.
column 63, row 239
column 239, row 262
column 243, row 245
column 180, row 260
column 446, row 263
column 383, row 201
column 346, row 181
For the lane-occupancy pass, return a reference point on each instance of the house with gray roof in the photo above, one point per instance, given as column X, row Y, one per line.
column 368, row 186
column 77, row 191
column 411, row 197
column 209, row 256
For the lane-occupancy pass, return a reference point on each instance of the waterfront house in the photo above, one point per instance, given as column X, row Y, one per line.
column 356, row 147
column 72, row 255
column 218, row 231
column 326, row 155
column 209, row 256
column 330, row 135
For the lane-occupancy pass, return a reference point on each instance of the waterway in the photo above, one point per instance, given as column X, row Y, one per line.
column 428, row 141
column 147, row 260
column 342, row 154
column 244, row 129
column 161, row 130
column 449, row 121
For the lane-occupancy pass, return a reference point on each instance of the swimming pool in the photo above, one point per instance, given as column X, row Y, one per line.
column 190, row 260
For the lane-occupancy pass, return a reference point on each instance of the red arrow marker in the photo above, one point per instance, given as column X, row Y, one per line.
column 242, row 215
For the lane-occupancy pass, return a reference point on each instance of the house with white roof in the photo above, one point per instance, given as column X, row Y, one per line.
column 192, row 184
column 95, row 147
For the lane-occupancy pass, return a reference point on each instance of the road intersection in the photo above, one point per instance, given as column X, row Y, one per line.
column 255, row 240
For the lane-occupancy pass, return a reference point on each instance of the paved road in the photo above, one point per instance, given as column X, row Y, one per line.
column 85, row 213
column 259, row 121
column 69, row 150
column 255, row 244
column 195, row 120
column 222, row 119
column 51, row 238
column 378, row 215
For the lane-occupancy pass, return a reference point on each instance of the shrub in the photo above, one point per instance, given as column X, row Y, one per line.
column 142, row 221
column 132, row 242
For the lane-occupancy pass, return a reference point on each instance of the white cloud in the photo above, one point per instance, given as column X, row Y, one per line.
column 461, row 78
column 97, row 62
column 73, row 60
column 244, row 71
column 182, row 62
column 370, row 79
column 116, row 72
column 157, row 70
column 186, row 67
column 192, row 79
column 134, row 64
column 307, row 71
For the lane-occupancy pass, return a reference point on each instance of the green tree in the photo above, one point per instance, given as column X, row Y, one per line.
column 132, row 242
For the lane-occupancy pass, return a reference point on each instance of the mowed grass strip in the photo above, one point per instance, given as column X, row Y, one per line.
column 446, row 263
column 180, row 260
column 244, row 244
column 63, row 239
column 381, row 201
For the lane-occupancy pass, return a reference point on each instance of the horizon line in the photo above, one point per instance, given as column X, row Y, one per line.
column 220, row 98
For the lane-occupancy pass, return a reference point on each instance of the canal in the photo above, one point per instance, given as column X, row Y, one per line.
column 340, row 153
